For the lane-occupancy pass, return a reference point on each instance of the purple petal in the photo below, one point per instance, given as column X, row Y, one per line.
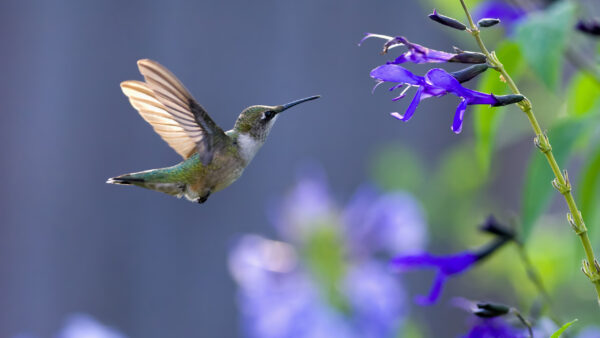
column 410, row 262
column 434, row 292
column 449, row 265
column 441, row 79
column 413, row 105
column 395, row 73
column 420, row 54
column 438, row 77
column 458, row 116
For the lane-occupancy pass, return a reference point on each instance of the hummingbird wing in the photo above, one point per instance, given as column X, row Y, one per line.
column 143, row 100
column 183, row 109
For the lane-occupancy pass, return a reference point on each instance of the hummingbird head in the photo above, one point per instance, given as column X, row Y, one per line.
column 255, row 122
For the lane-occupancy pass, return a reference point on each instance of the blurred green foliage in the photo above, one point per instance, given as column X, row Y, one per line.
column 583, row 94
column 563, row 329
column 486, row 119
column 325, row 255
column 543, row 40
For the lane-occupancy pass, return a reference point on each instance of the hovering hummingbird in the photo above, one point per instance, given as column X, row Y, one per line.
column 213, row 158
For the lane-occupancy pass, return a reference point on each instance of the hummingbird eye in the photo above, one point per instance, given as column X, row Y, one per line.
column 269, row 114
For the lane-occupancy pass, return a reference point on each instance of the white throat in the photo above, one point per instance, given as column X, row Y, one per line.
column 249, row 146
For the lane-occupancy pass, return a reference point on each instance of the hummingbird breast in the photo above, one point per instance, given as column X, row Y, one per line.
column 225, row 168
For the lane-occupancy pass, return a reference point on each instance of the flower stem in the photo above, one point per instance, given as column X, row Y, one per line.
column 591, row 268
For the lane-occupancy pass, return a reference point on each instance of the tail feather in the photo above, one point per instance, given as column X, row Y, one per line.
column 155, row 179
column 125, row 180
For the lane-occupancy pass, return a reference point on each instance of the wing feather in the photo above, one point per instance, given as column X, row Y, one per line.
column 182, row 107
column 156, row 114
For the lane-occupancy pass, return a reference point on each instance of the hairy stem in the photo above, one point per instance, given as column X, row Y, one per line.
column 561, row 181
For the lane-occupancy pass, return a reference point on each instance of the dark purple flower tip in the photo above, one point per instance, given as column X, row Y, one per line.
column 490, row 310
column 447, row 21
column 470, row 72
column 492, row 226
column 446, row 266
column 468, row 57
column 488, row 22
column 503, row 100
column 591, row 27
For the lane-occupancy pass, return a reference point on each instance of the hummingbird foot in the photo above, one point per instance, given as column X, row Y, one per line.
column 203, row 198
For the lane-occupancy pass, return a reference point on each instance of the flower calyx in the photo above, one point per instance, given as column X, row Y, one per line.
column 542, row 143
column 488, row 22
column 447, row 21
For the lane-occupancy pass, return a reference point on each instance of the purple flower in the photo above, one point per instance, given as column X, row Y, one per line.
column 508, row 14
column 420, row 54
column 82, row 325
column 307, row 206
column 446, row 266
column 393, row 223
column 495, row 328
column 285, row 289
column 437, row 82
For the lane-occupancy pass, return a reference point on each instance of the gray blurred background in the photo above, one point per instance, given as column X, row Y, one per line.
column 143, row 262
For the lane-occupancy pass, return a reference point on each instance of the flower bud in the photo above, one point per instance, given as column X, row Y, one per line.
column 489, row 310
column 492, row 226
column 503, row 100
column 447, row 21
column 469, row 57
column 488, row 22
column 591, row 27
column 470, row 72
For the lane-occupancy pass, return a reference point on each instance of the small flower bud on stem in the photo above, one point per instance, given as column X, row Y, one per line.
column 447, row 21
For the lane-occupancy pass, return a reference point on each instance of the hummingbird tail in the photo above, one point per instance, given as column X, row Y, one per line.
column 151, row 179
column 125, row 180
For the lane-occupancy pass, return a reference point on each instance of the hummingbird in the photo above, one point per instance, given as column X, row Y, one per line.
column 212, row 158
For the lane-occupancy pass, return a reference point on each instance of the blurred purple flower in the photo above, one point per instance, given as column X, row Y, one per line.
column 495, row 328
column 446, row 266
column 589, row 332
column 307, row 206
column 392, row 223
column 279, row 293
column 437, row 82
column 81, row 325
column 509, row 14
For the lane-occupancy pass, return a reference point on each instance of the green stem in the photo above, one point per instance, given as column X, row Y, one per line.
column 537, row 281
column 561, row 182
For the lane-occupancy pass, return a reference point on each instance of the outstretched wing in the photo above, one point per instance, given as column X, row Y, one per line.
column 142, row 99
column 173, row 113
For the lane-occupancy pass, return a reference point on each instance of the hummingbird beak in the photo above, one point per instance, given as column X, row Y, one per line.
column 293, row 103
